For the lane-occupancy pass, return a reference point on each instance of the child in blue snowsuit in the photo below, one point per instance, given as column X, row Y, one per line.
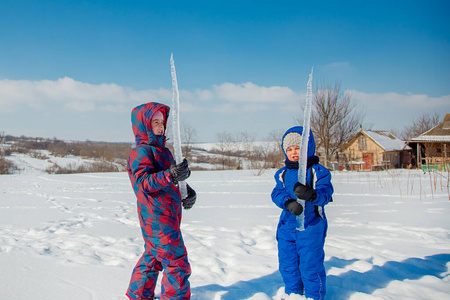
column 300, row 253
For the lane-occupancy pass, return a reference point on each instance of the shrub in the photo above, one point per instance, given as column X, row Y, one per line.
column 38, row 154
column 95, row 167
column 6, row 166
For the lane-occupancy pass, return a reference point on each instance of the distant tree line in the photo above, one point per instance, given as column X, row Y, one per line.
column 232, row 151
column 110, row 157
column 88, row 149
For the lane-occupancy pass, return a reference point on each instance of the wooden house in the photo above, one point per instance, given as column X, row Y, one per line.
column 432, row 148
column 375, row 150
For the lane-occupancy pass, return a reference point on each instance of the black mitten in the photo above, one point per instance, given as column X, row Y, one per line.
column 179, row 172
column 294, row 207
column 304, row 192
column 190, row 199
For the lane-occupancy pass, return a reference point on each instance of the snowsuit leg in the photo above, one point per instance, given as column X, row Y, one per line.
column 164, row 250
column 301, row 257
column 173, row 255
column 311, row 251
column 289, row 261
column 144, row 277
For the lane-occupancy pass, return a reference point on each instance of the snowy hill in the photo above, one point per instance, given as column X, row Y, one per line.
column 77, row 236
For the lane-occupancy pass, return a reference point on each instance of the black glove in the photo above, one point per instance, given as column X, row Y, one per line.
column 179, row 172
column 294, row 207
column 190, row 199
column 304, row 192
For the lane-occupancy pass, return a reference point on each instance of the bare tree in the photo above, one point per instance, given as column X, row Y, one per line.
column 188, row 136
column 420, row 125
column 245, row 147
column 268, row 153
column 335, row 118
column 224, row 148
column 2, row 141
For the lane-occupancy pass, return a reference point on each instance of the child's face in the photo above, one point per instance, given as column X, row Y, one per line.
column 293, row 153
column 158, row 126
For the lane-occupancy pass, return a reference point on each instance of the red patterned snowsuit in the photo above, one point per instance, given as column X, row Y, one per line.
column 159, row 210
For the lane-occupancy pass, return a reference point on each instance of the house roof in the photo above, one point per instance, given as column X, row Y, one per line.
column 386, row 140
column 439, row 133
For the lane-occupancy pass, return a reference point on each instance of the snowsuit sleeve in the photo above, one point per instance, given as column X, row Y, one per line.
column 143, row 167
column 279, row 194
column 323, row 186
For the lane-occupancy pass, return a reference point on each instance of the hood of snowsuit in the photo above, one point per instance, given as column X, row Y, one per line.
column 311, row 142
column 141, row 117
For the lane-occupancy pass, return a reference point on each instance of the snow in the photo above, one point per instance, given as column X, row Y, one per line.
column 387, row 141
column 77, row 236
column 432, row 138
column 30, row 165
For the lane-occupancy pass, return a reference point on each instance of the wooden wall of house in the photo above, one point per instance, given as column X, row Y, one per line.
column 363, row 146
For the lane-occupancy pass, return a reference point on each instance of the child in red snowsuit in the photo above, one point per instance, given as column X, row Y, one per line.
column 154, row 177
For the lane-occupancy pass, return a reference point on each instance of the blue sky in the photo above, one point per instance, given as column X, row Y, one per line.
column 75, row 69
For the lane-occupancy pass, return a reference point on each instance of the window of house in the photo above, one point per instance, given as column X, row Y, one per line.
column 362, row 144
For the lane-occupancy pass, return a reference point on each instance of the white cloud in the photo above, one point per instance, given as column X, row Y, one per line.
column 198, row 94
column 225, row 108
column 249, row 92
column 69, row 94
column 263, row 108
column 255, row 107
column 403, row 101
column 204, row 95
column 189, row 107
column 72, row 95
column 77, row 96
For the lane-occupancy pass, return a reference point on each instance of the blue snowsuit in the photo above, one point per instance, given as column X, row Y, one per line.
column 300, row 253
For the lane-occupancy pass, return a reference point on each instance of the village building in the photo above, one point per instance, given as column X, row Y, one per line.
column 432, row 148
column 375, row 150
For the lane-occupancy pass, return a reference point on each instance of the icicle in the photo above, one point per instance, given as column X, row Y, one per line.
column 176, row 124
column 304, row 150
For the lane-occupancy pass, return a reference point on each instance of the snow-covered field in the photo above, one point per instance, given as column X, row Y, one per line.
column 77, row 237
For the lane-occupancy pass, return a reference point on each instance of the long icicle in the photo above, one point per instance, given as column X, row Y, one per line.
column 176, row 124
column 304, row 149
